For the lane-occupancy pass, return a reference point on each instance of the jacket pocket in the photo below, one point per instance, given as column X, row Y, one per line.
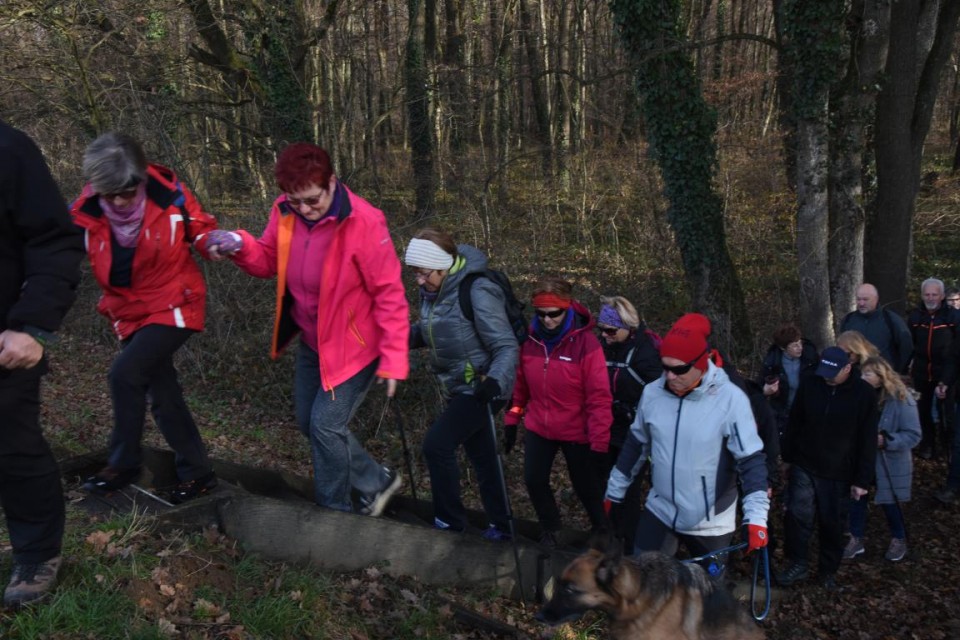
column 706, row 499
column 352, row 326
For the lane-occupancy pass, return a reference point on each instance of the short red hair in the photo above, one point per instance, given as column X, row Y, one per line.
column 302, row 164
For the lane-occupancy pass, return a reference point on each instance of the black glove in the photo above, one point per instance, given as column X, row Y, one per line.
column 509, row 437
column 623, row 413
column 487, row 391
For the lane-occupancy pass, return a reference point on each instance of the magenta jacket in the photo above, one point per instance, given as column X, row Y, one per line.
column 361, row 312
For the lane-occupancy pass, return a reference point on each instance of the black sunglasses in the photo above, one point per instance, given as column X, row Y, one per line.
column 550, row 314
column 608, row 331
column 681, row 369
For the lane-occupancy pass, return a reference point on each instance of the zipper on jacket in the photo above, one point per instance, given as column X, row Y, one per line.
column 706, row 498
column 673, row 467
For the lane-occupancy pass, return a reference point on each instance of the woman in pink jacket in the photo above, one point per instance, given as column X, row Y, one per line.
column 339, row 287
column 562, row 394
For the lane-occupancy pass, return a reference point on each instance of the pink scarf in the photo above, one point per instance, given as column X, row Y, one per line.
column 125, row 222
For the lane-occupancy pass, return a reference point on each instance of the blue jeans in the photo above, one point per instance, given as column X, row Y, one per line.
column 339, row 461
column 858, row 519
column 813, row 501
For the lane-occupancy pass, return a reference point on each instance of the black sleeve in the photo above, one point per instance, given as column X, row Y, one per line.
column 767, row 430
column 51, row 246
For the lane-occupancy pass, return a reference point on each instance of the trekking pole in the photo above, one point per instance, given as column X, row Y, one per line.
column 886, row 471
column 506, row 502
column 403, row 442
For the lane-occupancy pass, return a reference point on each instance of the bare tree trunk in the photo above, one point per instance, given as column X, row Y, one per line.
column 812, row 229
column 541, row 110
column 853, row 107
column 904, row 110
column 418, row 115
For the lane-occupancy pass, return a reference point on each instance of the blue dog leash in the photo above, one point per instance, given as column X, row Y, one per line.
column 763, row 556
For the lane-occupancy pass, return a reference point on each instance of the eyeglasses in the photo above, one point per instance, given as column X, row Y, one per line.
column 549, row 314
column 126, row 194
column 310, row 201
column 609, row 331
column 681, row 369
column 423, row 273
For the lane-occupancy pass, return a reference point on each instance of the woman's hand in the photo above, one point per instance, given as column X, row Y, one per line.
column 771, row 388
column 391, row 386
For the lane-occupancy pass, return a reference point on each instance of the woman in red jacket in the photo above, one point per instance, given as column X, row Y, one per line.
column 562, row 394
column 139, row 223
column 339, row 287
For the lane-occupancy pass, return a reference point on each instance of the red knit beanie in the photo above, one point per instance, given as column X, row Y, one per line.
column 687, row 340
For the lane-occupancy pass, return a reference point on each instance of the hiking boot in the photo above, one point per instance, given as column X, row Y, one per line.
column 445, row 526
column 190, row 489
column 792, row 574
column 896, row 550
column 853, row 549
column 946, row 495
column 549, row 540
column 374, row 505
column 495, row 534
column 31, row 581
column 109, row 480
column 830, row 584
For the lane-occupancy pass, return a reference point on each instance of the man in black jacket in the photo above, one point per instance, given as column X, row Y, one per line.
column 934, row 326
column 882, row 327
column 40, row 253
column 831, row 446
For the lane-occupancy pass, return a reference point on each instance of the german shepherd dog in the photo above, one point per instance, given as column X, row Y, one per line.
column 649, row 597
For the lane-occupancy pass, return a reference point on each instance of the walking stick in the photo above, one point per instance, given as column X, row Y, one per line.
column 406, row 450
column 886, row 471
column 506, row 501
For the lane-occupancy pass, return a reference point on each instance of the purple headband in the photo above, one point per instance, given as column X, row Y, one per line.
column 609, row 316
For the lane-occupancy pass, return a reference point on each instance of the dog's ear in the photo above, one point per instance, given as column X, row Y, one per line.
column 603, row 540
column 609, row 566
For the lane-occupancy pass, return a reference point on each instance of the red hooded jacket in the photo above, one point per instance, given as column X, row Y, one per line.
column 565, row 394
column 166, row 285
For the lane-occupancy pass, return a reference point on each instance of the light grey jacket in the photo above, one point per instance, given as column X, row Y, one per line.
column 901, row 420
column 463, row 352
column 698, row 445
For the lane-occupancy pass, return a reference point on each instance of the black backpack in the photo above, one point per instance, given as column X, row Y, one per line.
column 514, row 308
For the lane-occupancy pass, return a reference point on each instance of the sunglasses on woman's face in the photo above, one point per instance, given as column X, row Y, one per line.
column 126, row 194
column 609, row 331
column 681, row 369
column 550, row 314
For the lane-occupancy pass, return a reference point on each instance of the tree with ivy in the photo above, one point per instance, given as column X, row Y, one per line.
column 681, row 127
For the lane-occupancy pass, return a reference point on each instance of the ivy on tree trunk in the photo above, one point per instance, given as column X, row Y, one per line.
column 681, row 128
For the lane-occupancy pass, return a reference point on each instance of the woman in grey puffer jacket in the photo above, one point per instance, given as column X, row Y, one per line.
column 898, row 433
column 475, row 363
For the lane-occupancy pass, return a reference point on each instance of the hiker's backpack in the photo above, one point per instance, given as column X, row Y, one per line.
column 514, row 308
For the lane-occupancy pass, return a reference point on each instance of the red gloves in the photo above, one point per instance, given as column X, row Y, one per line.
column 607, row 505
column 756, row 537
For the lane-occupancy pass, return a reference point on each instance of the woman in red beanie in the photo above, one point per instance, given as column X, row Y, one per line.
column 562, row 394
column 698, row 430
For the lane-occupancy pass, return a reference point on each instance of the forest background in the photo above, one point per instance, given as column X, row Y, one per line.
column 750, row 159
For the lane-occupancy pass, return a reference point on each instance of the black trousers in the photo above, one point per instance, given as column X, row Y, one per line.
column 538, row 456
column 654, row 535
column 935, row 439
column 30, row 490
column 464, row 422
column 632, row 505
column 813, row 501
column 145, row 367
